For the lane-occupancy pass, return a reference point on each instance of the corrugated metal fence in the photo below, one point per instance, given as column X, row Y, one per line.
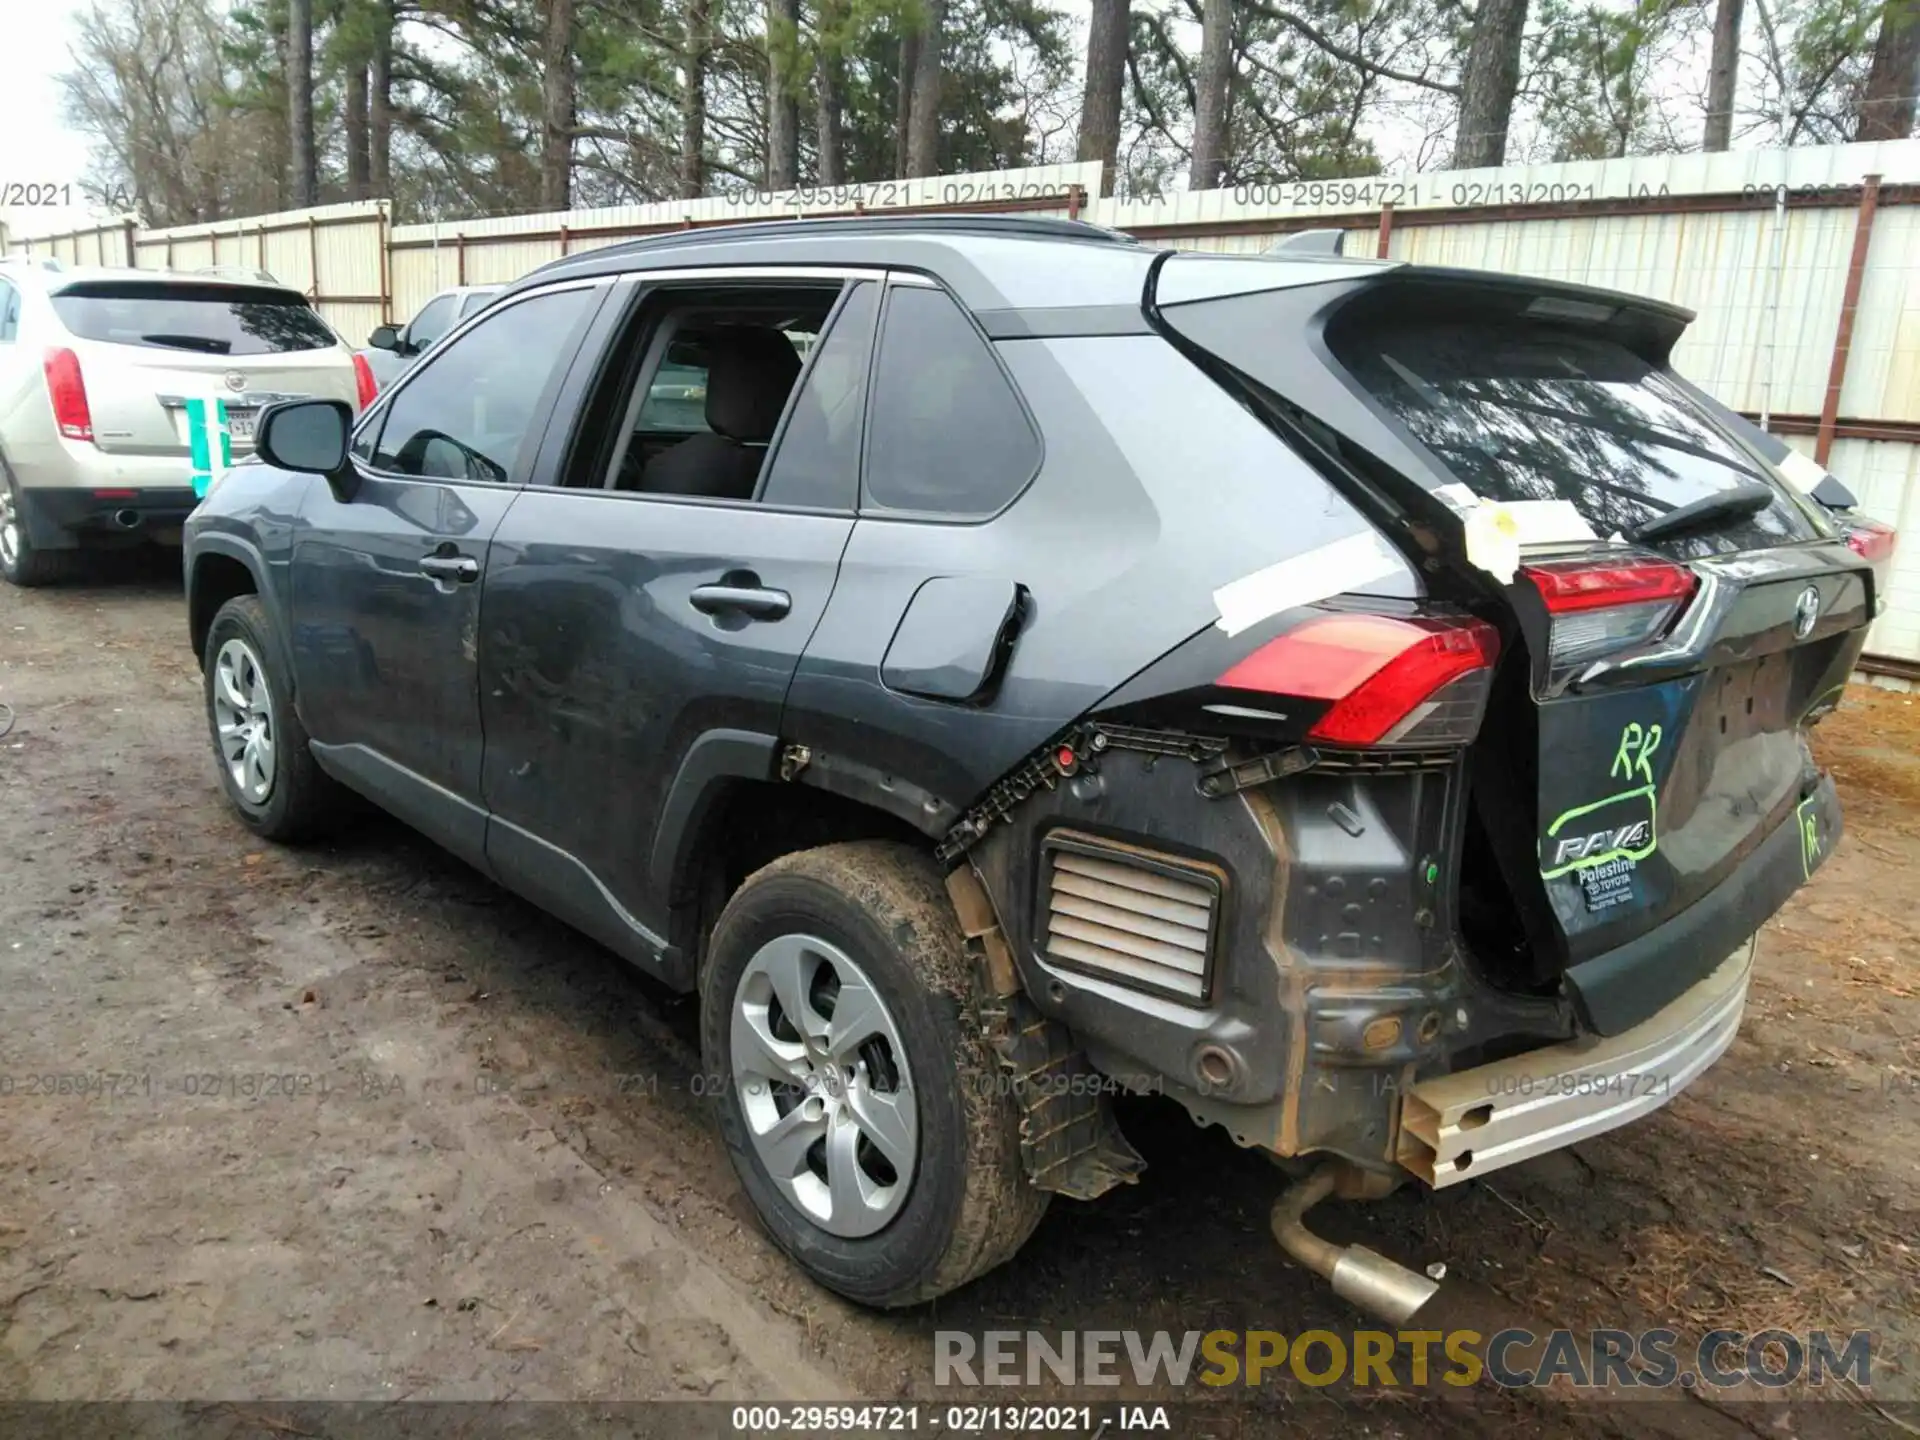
column 1801, row 264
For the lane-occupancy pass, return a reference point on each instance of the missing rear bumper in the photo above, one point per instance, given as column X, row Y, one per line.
column 1483, row 1119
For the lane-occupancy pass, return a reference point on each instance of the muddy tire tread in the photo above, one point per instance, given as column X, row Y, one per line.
column 902, row 890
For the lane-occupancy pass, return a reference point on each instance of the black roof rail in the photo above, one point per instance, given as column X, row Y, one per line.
column 1029, row 227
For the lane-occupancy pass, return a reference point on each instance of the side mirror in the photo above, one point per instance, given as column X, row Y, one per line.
column 309, row 436
column 384, row 337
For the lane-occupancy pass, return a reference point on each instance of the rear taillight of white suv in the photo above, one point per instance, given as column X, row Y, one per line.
column 366, row 388
column 1605, row 605
column 68, row 392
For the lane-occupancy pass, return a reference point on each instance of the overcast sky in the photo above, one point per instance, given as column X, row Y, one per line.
column 36, row 145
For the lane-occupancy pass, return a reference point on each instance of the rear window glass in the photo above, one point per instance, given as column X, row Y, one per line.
column 1525, row 411
column 206, row 320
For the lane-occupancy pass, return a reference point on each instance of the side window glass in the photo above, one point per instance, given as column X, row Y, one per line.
column 711, row 374
column 817, row 463
column 677, row 398
column 431, row 323
column 9, row 313
column 948, row 435
column 465, row 413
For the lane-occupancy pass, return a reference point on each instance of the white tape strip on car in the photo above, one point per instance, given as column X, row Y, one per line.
column 1344, row 565
column 1801, row 472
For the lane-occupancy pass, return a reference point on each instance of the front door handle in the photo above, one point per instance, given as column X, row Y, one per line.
column 753, row 600
column 463, row 568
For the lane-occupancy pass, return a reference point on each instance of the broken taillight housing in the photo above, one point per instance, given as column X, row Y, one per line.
column 1601, row 606
column 1873, row 542
column 1390, row 681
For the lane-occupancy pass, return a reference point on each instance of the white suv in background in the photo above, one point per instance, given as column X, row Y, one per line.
column 108, row 378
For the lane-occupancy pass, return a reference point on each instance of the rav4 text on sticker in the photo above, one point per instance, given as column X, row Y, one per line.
column 1623, row 827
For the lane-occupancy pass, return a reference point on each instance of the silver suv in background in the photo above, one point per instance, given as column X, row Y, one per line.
column 390, row 353
column 122, row 391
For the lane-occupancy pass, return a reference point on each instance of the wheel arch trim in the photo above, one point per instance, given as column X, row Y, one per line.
column 247, row 554
column 710, row 762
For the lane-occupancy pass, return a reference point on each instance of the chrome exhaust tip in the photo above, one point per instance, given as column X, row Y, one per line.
column 1381, row 1286
column 127, row 519
column 1361, row 1276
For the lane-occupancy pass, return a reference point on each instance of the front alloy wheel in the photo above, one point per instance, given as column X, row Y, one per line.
column 243, row 720
column 825, row 1085
column 266, row 766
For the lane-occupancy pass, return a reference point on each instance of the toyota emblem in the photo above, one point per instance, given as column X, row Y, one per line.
column 1806, row 611
column 235, row 381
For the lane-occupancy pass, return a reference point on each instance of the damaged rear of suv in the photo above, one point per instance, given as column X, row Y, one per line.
column 1446, row 843
column 1367, row 704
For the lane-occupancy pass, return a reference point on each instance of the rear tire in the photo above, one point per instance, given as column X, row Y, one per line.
column 869, row 915
column 21, row 562
column 267, row 770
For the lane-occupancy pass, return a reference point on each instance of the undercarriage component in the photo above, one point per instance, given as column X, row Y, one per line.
column 1069, row 1139
column 1074, row 750
column 1510, row 1110
column 1376, row 1284
column 1232, row 779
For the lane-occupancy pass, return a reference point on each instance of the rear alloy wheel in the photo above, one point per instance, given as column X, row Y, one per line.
column 861, row 1110
column 824, row 1083
column 20, row 562
column 270, row 776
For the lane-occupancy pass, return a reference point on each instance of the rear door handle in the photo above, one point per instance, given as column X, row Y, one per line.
column 463, row 568
column 754, row 600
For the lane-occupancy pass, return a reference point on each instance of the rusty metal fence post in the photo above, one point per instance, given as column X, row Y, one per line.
column 1849, row 307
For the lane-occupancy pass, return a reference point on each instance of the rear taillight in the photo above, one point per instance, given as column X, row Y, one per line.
column 1599, row 607
column 1873, row 542
column 1392, row 682
column 363, row 381
column 68, row 391
column 1869, row 539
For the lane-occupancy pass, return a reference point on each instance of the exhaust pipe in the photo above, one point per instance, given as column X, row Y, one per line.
column 127, row 519
column 1362, row 1276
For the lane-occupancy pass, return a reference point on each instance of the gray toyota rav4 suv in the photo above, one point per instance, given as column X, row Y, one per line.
column 1365, row 703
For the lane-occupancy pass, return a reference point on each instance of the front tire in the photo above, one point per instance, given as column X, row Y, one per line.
column 21, row 562
column 266, row 769
column 861, row 1109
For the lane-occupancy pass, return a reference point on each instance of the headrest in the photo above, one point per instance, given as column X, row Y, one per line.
column 749, row 372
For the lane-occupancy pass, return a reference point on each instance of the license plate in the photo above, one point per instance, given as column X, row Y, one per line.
column 240, row 426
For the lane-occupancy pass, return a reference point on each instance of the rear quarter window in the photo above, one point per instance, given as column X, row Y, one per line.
column 946, row 434
column 203, row 320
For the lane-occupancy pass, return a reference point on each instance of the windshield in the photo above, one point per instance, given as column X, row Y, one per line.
column 207, row 320
column 1522, row 410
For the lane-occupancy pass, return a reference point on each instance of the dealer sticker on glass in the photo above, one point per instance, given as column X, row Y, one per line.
column 1608, row 885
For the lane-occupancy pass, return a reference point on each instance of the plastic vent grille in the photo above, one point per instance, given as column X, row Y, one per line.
column 1144, row 922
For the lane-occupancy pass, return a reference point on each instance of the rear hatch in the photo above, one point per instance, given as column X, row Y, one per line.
column 1674, row 616
column 147, row 347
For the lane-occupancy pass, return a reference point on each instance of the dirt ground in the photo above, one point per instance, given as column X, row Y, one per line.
column 372, row 1128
